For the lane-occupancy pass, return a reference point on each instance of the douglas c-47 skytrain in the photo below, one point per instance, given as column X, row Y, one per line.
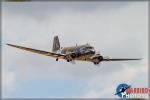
column 79, row 52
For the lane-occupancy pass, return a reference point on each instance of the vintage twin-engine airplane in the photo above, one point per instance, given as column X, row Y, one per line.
column 79, row 52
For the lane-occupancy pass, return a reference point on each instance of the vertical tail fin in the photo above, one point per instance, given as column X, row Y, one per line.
column 56, row 44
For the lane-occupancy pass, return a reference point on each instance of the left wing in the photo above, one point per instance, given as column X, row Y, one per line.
column 55, row 55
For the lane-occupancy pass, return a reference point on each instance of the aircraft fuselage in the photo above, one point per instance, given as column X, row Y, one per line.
column 81, row 52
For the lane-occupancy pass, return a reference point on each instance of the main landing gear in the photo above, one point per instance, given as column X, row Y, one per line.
column 96, row 63
column 56, row 59
column 68, row 60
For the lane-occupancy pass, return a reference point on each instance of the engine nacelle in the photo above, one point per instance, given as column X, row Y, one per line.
column 69, row 57
column 97, row 58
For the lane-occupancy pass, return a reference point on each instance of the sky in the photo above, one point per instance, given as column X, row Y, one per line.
column 115, row 29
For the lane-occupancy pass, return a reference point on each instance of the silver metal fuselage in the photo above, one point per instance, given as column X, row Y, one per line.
column 83, row 52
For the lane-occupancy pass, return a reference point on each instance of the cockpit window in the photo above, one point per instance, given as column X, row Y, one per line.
column 63, row 52
column 89, row 47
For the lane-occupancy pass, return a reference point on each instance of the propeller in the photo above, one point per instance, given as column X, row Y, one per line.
column 106, row 57
column 98, row 52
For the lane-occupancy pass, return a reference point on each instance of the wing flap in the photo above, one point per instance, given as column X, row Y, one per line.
column 55, row 55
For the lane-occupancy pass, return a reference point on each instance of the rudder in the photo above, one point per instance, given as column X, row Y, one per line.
column 56, row 44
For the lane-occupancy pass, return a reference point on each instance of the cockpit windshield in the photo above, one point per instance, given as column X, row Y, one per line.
column 89, row 47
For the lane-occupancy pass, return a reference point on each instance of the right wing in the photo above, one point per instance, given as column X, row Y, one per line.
column 55, row 55
column 110, row 59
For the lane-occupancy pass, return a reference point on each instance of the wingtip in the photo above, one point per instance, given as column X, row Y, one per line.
column 8, row 44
